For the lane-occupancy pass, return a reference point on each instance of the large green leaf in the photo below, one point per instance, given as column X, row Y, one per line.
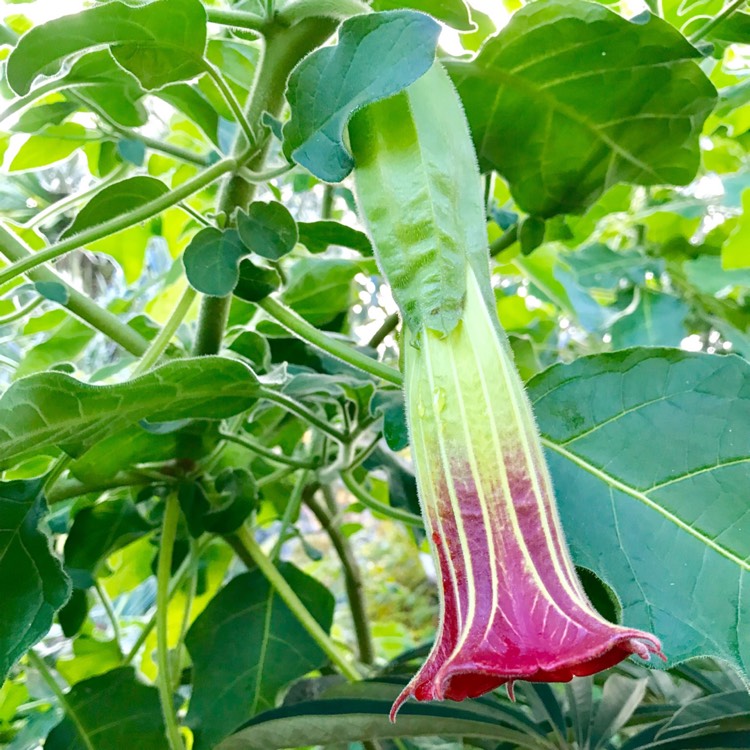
column 32, row 581
column 55, row 409
column 657, row 320
column 159, row 43
column 453, row 12
column 650, row 455
column 246, row 646
column 113, row 710
column 377, row 55
column 360, row 713
column 570, row 98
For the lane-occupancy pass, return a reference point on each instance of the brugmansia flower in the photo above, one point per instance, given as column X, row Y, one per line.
column 512, row 606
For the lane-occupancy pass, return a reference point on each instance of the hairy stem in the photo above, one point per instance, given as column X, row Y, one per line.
column 364, row 497
column 118, row 223
column 302, row 411
column 309, row 333
column 161, row 342
column 267, row 453
column 164, row 567
column 284, row 47
column 79, row 304
column 389, row 326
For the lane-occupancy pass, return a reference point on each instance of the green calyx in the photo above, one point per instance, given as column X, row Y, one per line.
column 419, row 189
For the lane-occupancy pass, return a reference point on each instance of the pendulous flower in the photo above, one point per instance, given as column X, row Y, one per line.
column 512, row 606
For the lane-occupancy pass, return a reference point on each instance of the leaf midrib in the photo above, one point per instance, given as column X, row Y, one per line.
column 648, row 502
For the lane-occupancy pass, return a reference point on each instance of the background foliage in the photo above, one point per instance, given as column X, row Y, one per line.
column 209, row 529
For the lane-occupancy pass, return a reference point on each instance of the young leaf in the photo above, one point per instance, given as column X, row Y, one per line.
column 453, row 12
column 109, row 711
column 55, row 409
column 650, row 451
column 256, row 283
column 246, row 646
column 32, row 580
column 159, row 43
column 212, row 261
column 267, row 229
column 53, row 144
column 587, row 99
column 318, row 236
column 377, row 55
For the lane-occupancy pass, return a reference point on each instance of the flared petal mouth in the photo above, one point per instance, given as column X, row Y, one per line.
column 471, row 677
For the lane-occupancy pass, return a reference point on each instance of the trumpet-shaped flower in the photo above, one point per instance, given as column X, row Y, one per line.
column 512, row 606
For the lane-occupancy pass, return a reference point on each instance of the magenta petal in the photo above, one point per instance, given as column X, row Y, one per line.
column 512, row 606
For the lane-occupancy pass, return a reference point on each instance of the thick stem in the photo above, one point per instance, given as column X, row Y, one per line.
column 284, row 47
column 164, row 681
column 118, row 223
column 309, row 333
column 237, row 19
column 355, row 591
column 253, row 553
column 79, row 304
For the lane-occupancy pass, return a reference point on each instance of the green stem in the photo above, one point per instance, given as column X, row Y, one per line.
column 66, row 489
column 309, row 333
column 185, row 624
column 161, row 342
column 190, row 211
column 326, row 207
column 284, row 47
column 504, row 241
column 231, row 100
column 79, row 304
column 364, row 497
column 267, row 453
column 176, row 152
column 290, row 598
column 352, row 578
column 64, row 204
column 118, row 223
column 177, row 580
column 237, row 19
column 24, row 101
column 22, row 312
column 302, row 411
column 292, row 509
column 109, row 609
column 388, row 327
column 45, row 673
column 716, row 21
column 164, row 681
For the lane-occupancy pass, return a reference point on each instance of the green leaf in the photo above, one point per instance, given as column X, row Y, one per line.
column 391, row 405
column 53, row 144
column 453, row 12
column 212, row 261
column 39, row 117
column 246, row 646
column 650, row 455
column 159, row 43
column 267, row 229
column 115, row 200
column 319, row 289
column 191, row 102
column 98, row 531
column 55, row 409
column 377, row 55
column 54, row 291
column 360, row 713
column 110, row 711
column 587, row 99
column 318, row 236
column 658, row 320
column 32, row 580
column 91, row 657
column 256, row 283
